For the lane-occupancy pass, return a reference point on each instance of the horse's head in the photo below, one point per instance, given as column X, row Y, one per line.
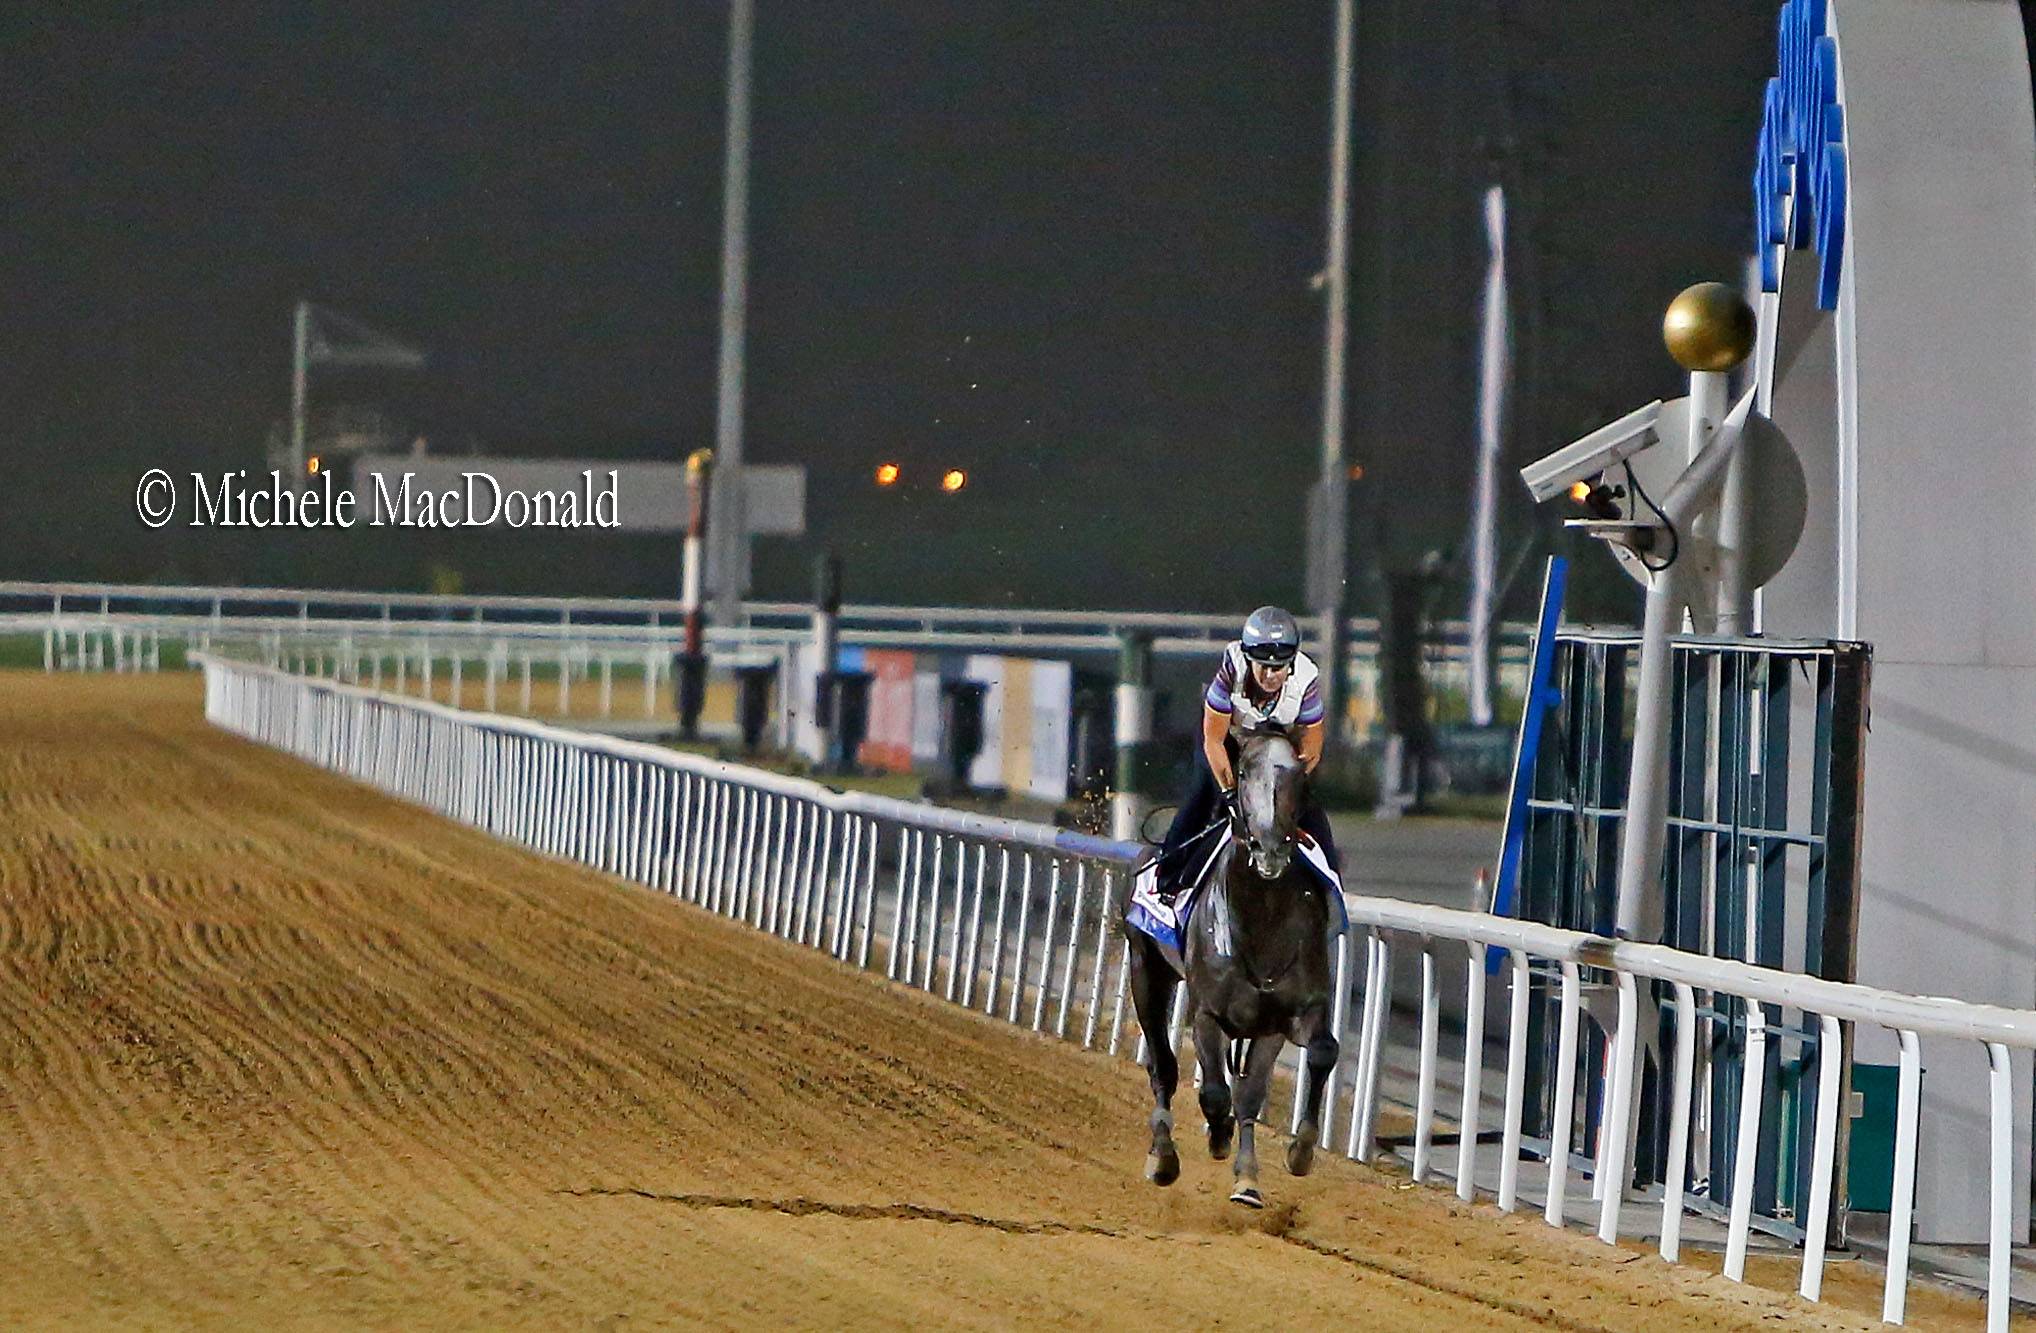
column 1269, row 776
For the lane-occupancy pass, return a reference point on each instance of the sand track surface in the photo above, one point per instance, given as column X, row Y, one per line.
column 279, row 1052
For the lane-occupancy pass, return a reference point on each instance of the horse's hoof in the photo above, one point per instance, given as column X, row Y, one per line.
column 1163, row 1167
column 1247, row 1195
column 1220, row 1139
column 1301, row 1152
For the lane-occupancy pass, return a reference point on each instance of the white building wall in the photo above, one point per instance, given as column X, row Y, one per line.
column 1914, row 407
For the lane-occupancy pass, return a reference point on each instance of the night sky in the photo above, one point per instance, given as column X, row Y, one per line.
column 1064, row 246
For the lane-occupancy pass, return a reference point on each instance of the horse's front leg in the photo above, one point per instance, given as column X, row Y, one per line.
column 1152, row 993
column 1252, row 1086
column 1211, row 1048
column 1311, row 1032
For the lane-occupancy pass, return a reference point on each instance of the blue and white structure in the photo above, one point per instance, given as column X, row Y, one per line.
column 1896, row 205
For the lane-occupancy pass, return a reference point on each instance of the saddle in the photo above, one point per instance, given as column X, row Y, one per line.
column 1163, row 916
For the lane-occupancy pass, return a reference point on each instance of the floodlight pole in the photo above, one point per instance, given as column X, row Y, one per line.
column 300, row 375
column 1329, row 518
column 728, row 541
column 1484, row 559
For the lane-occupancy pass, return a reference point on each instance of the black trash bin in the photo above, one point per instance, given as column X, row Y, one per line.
column 848, row 705
column 689, row 686
column 961, row 729
column 753, row 701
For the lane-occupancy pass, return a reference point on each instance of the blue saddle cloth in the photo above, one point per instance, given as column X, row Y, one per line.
column 1152, row 915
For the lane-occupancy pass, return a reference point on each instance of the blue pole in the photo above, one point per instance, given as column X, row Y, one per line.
column 1542, row 694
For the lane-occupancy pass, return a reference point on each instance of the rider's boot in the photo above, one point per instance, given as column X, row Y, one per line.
column 1168, row 885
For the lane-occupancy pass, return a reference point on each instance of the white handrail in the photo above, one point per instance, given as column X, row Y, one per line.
column 1929, row 1015
column 742, row 842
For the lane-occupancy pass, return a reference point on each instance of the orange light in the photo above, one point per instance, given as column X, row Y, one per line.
column 313, row 465
column 887, row 474
column 1357, row 472
column 1580, row 491
column 954, row 480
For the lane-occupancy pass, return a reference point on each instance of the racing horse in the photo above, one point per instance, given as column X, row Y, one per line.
column 1255, row 954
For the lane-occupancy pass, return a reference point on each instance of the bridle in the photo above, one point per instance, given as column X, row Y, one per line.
column 1279, row 852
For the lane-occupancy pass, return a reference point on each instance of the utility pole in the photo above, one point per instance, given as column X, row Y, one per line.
column 300, row 375
column 1484, row 540
column 1328, row 513
column 728, row 540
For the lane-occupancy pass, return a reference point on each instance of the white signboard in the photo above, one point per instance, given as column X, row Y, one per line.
column 427, row 491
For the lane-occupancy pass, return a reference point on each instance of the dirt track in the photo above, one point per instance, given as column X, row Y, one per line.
column 276, row 1051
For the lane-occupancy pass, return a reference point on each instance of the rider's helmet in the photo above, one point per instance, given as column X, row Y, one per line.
column 1271, row 636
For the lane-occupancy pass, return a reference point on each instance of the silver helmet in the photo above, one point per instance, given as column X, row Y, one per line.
column 1271, row 636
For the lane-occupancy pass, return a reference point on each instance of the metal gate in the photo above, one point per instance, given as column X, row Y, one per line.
column 1760, row 864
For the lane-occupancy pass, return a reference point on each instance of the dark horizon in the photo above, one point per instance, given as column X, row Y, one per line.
column 1066, row 250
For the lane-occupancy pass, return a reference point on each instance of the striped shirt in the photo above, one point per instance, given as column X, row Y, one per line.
column 1299, row 700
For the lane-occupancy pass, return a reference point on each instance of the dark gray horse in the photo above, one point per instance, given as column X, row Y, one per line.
column 1256, row 953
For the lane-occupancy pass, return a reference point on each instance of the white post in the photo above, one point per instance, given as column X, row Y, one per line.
column 1484, row 559
column 1424, row 1091
column 1823, row 1151
column 1679, row 1120
column 1902, row 1208
column 1516, row 1086
column 1616, row 1116
column 1746, row 1154
column 2000, row 1197
column 1565, row 1097
column 1473, row 1075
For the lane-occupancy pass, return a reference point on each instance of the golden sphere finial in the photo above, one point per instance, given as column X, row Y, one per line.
column 1708, row 327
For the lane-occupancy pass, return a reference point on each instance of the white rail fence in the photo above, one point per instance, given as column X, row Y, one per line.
column 100, row 626
column 1017, row 920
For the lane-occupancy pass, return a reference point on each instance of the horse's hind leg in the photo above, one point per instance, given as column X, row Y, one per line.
column 1252, row 1088
column 1311, row 1032
column 1211, row 1048
column 1152, row 992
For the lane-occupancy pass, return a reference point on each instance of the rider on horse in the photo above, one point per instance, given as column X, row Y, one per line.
column 1264, row 681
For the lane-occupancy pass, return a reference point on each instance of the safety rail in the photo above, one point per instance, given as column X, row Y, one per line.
column 1017, row 920
column 234, row 603
column 1832, row 1004
column 1010, row 917
column 196, row 613
column 332, row 636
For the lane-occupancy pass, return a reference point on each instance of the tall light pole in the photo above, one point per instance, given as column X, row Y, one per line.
column 1328, row 514
column 728, row 537
column 300, row 379
column 1484, row 532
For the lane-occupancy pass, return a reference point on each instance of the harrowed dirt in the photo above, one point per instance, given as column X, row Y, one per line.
column 279, row 1052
